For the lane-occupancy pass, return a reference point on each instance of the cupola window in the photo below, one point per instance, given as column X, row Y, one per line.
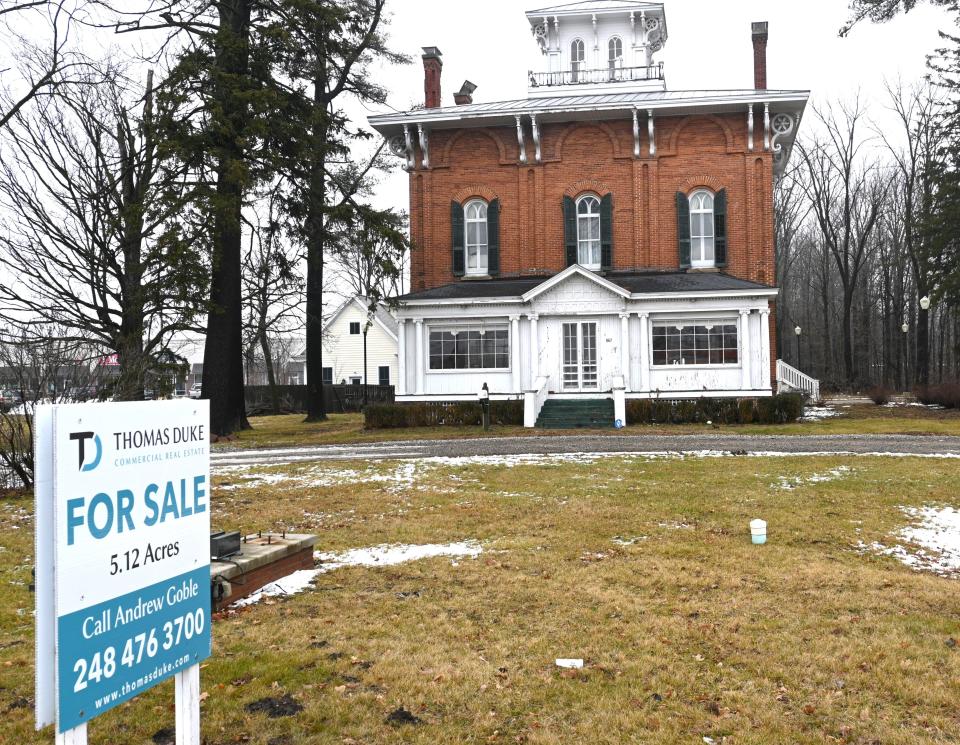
column 616, row 56
column 577, row 57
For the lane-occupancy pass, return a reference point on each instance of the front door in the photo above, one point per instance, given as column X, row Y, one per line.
column 580, row 357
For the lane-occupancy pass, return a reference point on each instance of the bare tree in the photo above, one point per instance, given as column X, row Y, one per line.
column 96, row 240
column 914, row 154
column 272, row 289
column 40, row 368
column 846, row 196
column 45, row 66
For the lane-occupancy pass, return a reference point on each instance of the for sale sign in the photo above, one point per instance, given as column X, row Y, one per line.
column 126, row 505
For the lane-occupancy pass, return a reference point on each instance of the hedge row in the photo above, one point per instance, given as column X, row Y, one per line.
column 437, row 414
column 781, row 409
column 946, row 395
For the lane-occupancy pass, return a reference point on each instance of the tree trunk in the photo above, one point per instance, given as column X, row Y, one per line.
column 271, row 376
column 316, row 244
column 223, row 350
column 848, row 337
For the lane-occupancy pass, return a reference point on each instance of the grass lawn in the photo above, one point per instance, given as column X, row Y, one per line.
column 687, row 630
column 290, row 430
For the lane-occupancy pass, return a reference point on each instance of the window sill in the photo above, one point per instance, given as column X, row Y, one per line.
column 475, row 277
column 731, row 366
column 704, row 270
column 481, row 370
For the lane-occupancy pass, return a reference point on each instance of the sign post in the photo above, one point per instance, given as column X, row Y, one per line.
column 123, row 559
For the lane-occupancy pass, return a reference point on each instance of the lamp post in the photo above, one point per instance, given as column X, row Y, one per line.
column 906, row 353
column 798, row 331
column 484, row 397
column 923, row 342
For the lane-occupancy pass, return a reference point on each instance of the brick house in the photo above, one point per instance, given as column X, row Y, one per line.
column 604, row 238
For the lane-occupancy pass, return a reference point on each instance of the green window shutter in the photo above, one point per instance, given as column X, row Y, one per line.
column 570, row 229
column 458, row 238
column 720, row 227
column 606, row 232
column 493, row 237
column 683, row 229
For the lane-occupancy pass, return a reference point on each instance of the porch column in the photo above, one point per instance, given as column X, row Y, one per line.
column 625, row 350
column 534, row 350
column 402, row 357
column 419, row 334
column 515, row 353
column 747, row 380
column 644, row 352
column 765, row 381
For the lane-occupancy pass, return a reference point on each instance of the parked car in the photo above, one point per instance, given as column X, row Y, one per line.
column 148, row 394
column 10, row 398
column 196, row 390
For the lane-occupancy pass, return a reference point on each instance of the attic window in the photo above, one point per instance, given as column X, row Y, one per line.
column 354, row 328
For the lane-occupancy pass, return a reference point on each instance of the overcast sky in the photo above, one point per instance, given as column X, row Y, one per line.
column 709, row 47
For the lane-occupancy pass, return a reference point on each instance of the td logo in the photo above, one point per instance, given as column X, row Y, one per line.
column 81, row 438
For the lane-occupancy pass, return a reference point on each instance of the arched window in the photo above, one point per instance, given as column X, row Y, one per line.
column 615, row 58
column 588, row 231
column 576, row 59
column 702, row 237
column 476, row 238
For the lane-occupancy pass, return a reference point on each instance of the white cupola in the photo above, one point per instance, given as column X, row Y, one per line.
column 598, row 46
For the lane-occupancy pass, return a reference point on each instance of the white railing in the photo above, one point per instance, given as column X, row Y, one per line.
column 790, row 378
column 581, row 75
column 533, row 401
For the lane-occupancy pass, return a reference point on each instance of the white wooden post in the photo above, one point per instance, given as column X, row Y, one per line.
column 625, row 350
column 765, row 381
column 187, row 699
column 644, row 352
column 75, row 736
column 534, row 350
column 402, row 357
column 419, row 324
column 515, row 353
column 747, row 380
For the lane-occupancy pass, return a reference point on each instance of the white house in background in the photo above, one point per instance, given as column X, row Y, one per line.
column 343, row 346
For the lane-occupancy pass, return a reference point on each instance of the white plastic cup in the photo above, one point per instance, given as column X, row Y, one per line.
column 758, row 530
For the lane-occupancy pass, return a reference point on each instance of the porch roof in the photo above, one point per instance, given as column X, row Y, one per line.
column 639, row 283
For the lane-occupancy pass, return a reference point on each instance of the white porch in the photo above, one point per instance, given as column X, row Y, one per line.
column 547, row 333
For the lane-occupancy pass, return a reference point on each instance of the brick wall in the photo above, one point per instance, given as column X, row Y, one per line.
column 695, row 151
column 692, row 152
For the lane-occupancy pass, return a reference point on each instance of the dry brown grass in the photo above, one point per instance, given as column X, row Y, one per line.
column 690, row 632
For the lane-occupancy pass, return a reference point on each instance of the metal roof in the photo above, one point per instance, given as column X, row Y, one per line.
column 642, row 283
column 589, row 103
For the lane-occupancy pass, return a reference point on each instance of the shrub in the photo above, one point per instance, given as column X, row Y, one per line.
column 880, row 395
column 442, row 413
column 946, row 395
column 786, row 407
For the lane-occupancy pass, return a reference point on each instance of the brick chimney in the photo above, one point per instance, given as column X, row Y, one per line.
column 465, row 95
column 432, row 68
column 760, row 55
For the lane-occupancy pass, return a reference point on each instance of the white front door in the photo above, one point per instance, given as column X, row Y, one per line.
column 580, row 357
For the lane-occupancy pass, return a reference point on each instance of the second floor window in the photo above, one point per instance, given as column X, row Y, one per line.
column 588, row 232
column 354, row 328
column 476, row 236
column 702, row 230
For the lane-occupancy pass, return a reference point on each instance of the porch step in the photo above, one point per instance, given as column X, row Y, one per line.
column 592, row 413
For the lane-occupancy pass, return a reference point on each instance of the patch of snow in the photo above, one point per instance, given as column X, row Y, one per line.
column 629, row 541
column 674, row 525
column 375, row 556
column 790, row 483
column 818, row 413
column 933, row 541
column 916, row 404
